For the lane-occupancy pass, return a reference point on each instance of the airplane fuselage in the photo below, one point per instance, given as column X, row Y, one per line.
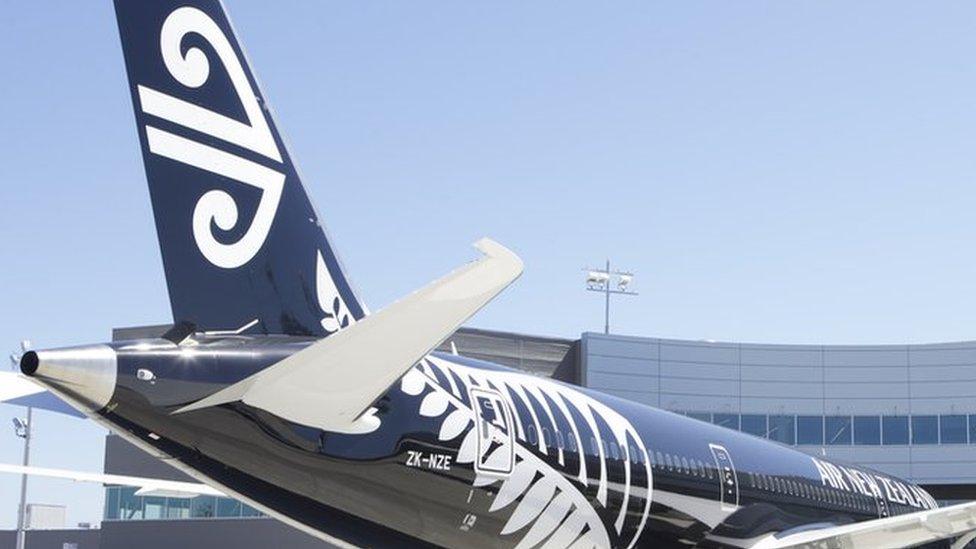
column 470, row 454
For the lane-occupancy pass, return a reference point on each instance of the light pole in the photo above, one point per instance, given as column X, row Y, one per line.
column 23, row 430
column 609, row 283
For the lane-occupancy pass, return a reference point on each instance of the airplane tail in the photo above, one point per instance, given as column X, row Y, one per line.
column 242, row 245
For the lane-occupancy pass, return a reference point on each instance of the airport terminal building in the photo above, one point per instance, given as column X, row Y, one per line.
column 908, row 410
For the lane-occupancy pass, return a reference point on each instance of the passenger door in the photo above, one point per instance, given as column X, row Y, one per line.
column 727, row 477
column 496, row 449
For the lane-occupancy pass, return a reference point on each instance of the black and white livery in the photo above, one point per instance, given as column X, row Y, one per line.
column 276, row 385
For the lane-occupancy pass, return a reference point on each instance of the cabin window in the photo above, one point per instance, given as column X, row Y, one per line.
column 667, row 460
column 660, row 459
column 546, row 437
column 594, row 446
column 533, row 440
column 571, row 442
column 560, row 442
column 614, row 450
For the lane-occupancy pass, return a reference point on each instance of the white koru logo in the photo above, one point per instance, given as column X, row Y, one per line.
column 215, row 207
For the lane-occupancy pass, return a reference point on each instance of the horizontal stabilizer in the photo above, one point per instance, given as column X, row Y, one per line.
column 331, row 384
column 146, row 486
column 909, row 530
column 18, row 390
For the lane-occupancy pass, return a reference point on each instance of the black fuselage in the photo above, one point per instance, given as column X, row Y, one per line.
column 469, row 454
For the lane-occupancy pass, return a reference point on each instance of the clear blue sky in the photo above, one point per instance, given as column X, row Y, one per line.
column 773, row 171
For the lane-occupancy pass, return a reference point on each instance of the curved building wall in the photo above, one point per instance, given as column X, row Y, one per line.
column 909, row 410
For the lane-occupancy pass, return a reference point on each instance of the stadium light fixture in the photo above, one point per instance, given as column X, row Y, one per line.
column 609, row 282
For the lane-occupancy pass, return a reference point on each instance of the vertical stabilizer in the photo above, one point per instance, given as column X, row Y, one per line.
column 239, row 236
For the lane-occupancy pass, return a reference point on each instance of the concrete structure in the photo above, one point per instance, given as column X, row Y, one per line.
column 57, row 539
column 909, row 410
column 46, row 517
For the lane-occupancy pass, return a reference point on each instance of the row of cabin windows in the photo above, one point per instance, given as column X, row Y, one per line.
column 664, row 461
column 556, row 439
column 850, row 430
column 802, row 489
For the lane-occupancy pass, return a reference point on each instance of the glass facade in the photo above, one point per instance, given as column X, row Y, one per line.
column 754, row 424
column 729, row 421
column 894, row 430
column 925, row 429
column 809, row 430
column 867, row 430
column 782, row 429
column 850, row 430
column 952, row 429
column 837, row 430
column 122, row 503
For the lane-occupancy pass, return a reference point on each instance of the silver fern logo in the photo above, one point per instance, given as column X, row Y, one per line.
column 337, row 314
column 548, row 496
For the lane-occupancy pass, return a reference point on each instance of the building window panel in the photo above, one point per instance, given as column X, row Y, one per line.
column 729, row 421
column 972, row 429
column 707, row 418
column 228, row 508
column 952, row 429
column 867, row 430
column 837, row 430
column 248, row 511
column 782, row 429
column 178, row 508
column 112, row 503
column 154, row 508
column 925, row 429
column 754, row 424
column 894, row 430
column 130, row 505
column 809, row 430
column 203, row 507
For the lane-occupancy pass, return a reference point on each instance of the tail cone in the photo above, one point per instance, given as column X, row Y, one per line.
column 28, row 363
column 83, row 376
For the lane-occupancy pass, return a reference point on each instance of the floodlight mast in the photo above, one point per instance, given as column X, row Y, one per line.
column 603, row 281
column 22, row 429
